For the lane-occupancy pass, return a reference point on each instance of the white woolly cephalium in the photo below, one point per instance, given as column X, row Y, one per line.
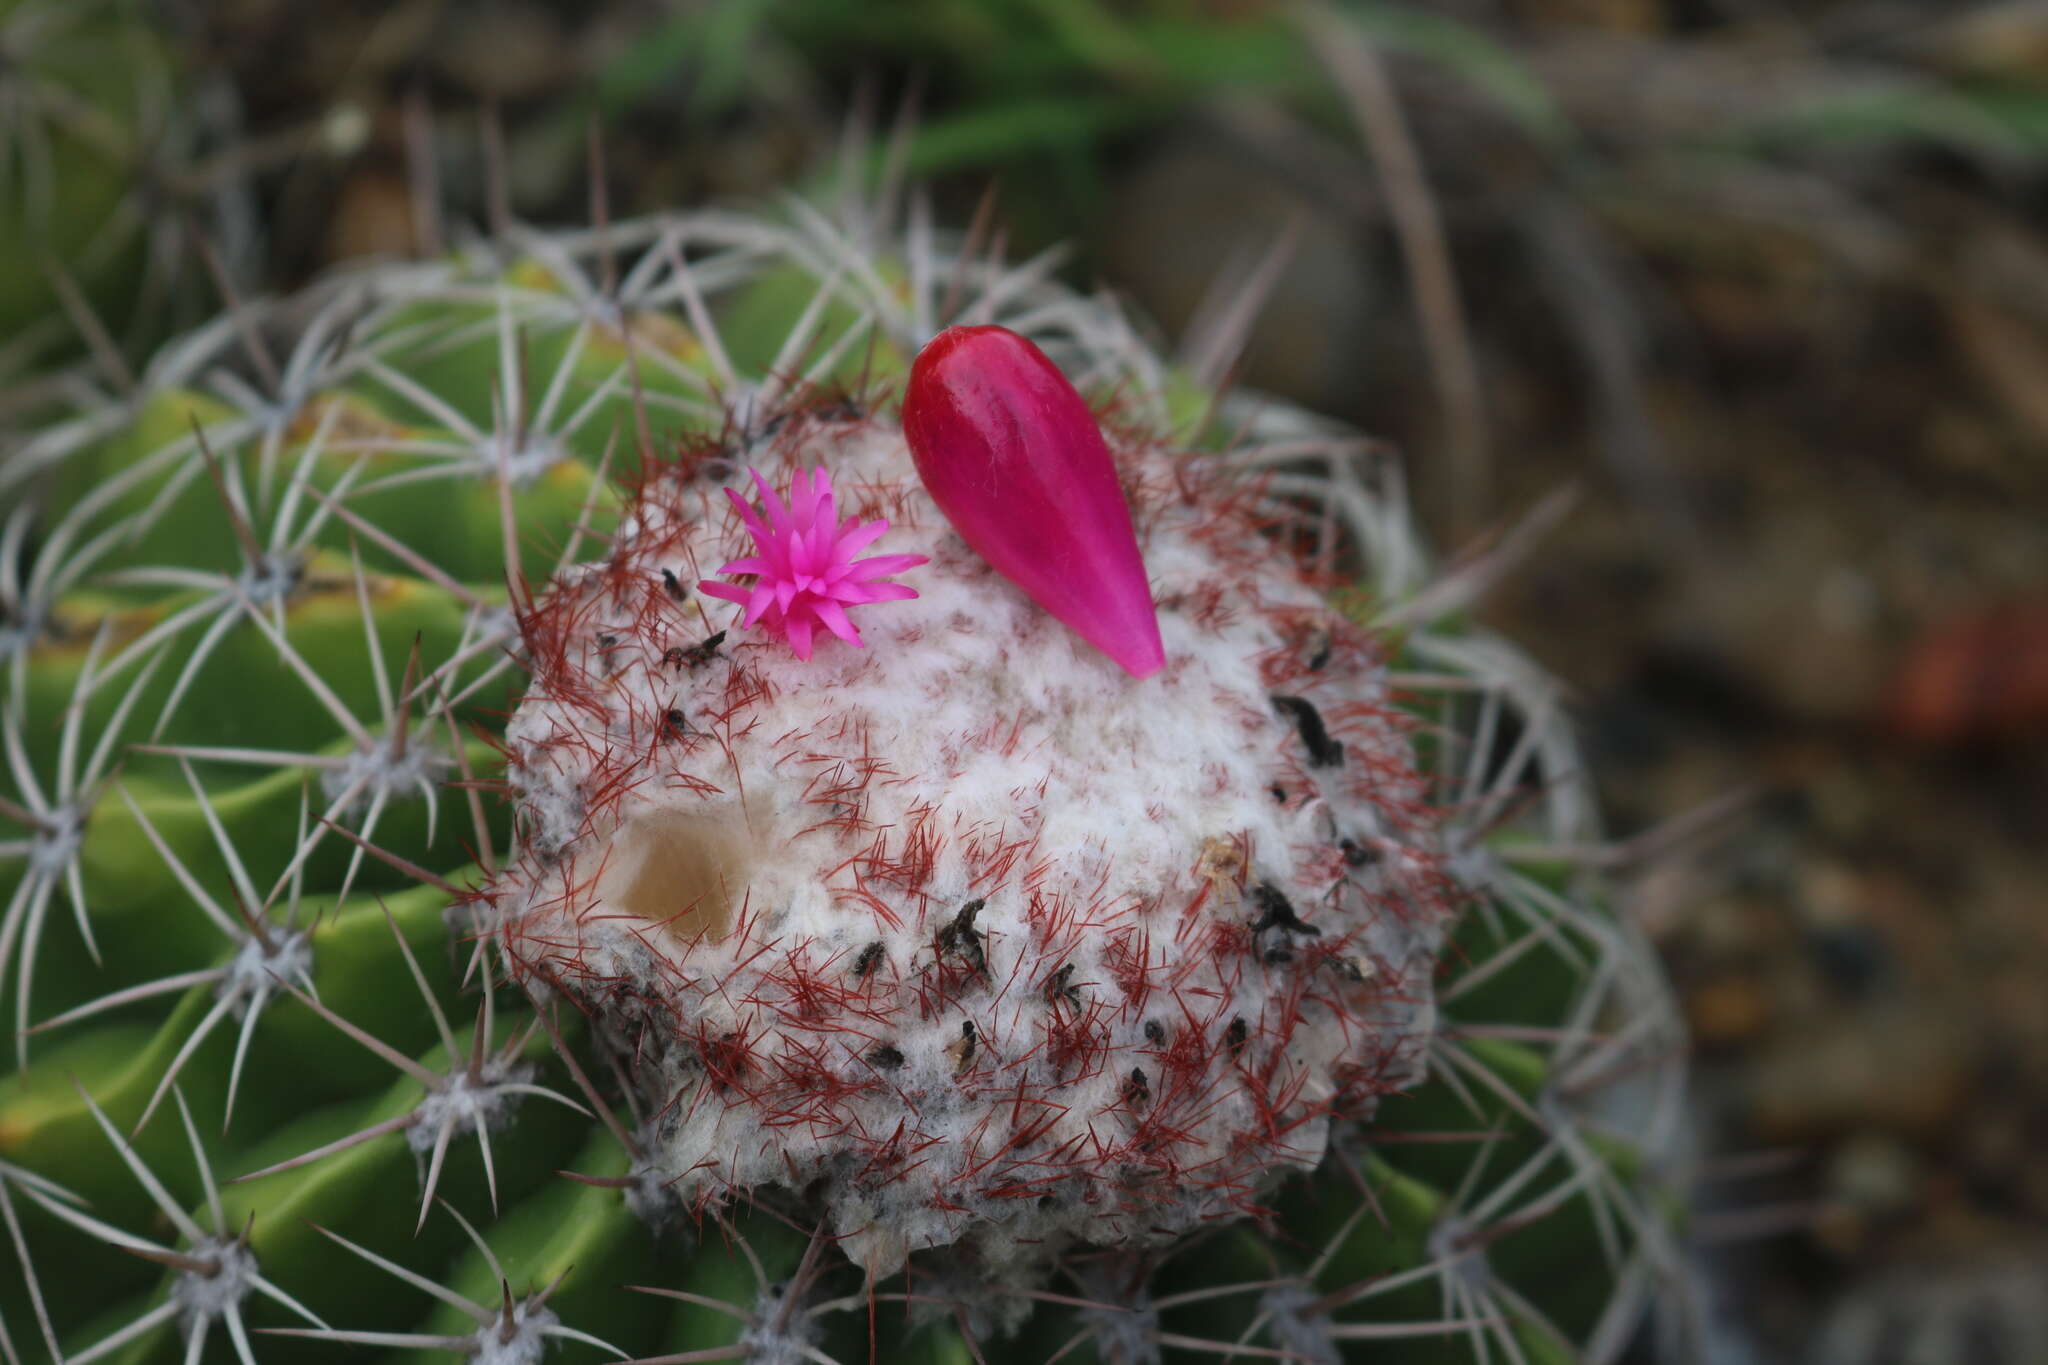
column 999, row 944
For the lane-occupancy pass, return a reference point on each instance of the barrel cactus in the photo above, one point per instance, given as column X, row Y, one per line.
column 440, row 921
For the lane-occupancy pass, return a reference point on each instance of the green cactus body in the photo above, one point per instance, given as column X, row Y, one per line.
column 98, row 136
column 290, row 1088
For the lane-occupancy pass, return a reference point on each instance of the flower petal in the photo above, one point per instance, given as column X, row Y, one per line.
column 730, row 592
column 833, row 617
column 778, row 514
column 852, row 543
column 879, row 565
column 758, row 601
column 874, row 592
column 797, row 629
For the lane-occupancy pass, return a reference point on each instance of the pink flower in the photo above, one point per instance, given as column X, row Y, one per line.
column 806, row 575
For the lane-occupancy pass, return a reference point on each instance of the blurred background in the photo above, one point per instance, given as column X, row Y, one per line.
column 1760, row 285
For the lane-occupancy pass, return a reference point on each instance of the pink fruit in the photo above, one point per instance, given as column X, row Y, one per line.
column 1014, row 458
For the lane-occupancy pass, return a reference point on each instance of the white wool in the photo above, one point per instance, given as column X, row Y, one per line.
column 518, row 1336
column 975, row 722
column 203, row 1295
column 460, row 1105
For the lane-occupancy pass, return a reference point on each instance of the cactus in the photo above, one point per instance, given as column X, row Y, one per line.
column 398, row 968
column 101, row 179
column 68, row 129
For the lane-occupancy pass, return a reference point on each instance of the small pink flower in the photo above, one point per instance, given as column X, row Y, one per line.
column 806, row 575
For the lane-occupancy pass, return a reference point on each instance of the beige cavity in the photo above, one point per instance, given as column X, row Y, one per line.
column 685, row 873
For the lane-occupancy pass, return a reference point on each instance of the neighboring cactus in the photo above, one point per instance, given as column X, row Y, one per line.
column 100, row 182
column 297, row 954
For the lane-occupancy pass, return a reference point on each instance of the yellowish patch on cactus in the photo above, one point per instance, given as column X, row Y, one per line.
column 329, row 587
column 570, row 479
column 75, row 624
column 529, row 273
column 651, row 331
column 349, row 426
